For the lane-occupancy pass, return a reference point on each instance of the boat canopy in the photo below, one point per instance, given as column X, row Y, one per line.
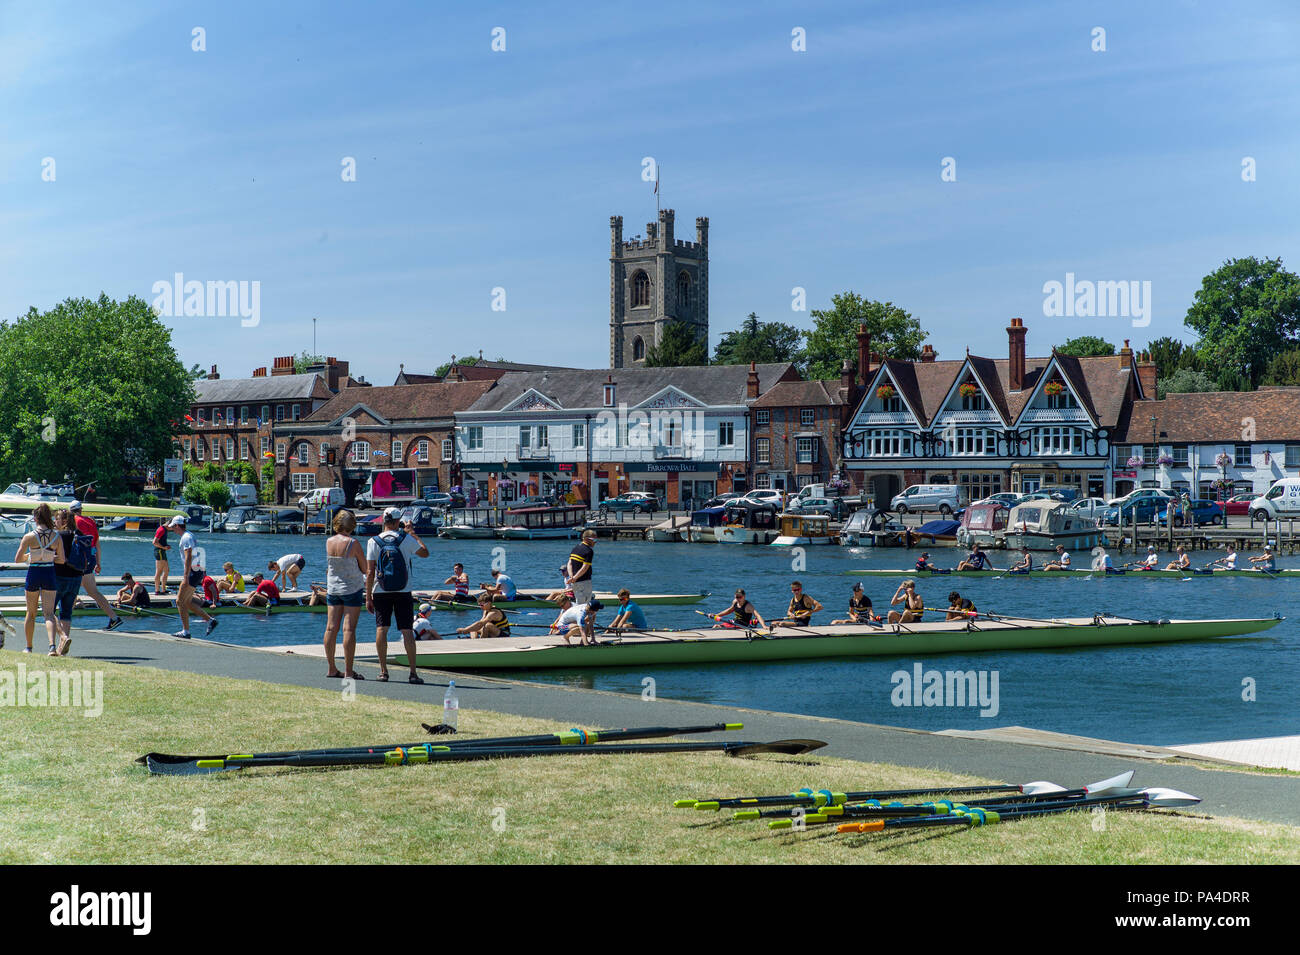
column 1046, row 517
column 938, row 528
column 708, row 516
column 752, row 514
column 991, row 516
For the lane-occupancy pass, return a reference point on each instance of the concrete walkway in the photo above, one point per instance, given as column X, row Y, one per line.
column 1012, row 754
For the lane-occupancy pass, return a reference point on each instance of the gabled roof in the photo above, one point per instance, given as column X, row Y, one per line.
column 396, row 403
column 800, row 394
column 1216, row 416
column 585, row 389
column 264, row 388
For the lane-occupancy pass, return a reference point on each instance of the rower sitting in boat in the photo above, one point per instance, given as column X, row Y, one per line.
column 233, row 582
column 959, row 607
column 978, row 560
column 743, row 612
column 1101, row 561
column 574, row 619
column 1181, row 562
column 1062, row 561
column 318, row 598
column 1024, row 565
column 502, row 587
column 1151, row 561
column 132, row 594
column 859, row 608
column 460, row 581
column 802, row 607
column 629, row 616
column 923, row 562
column 1229, row 560
column 912, row 603
column 493, row 623
column 422, row 626
column 265, row 593
column 1264, row 561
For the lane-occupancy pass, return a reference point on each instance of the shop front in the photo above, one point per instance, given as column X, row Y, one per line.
column 678, row 484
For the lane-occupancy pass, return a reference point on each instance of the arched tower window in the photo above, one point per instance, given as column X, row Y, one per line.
column 640, row 289
column 638, row 349
column 683, row 293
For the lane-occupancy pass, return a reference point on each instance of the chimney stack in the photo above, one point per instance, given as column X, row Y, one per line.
column 259, row 372
column 846, row 378
column 864, row 355
column 928, row 353
column 751, row 383
column 1147, row 375
column 212, row 375
column 282, row 366
column 1016, row 355
column 1125, row 355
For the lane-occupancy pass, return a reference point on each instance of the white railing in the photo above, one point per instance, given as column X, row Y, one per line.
column 1053, row 415
column 534, row 454
column 985, row 416
column 883, row 417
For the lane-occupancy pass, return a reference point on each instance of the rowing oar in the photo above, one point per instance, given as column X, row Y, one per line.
column 573, row 737
column 1145, row 799
column 428, row 753
column 824, row 797
column 1044, row 792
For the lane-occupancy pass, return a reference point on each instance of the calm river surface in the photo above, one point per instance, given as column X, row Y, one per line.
column 1175, row 693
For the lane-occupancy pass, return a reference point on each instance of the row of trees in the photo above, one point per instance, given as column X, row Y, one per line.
column 1246, row 314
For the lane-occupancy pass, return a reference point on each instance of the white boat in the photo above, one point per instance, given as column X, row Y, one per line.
column 984, row 523
column 748, row 522
column 15, row 525
column 704, row 525
column 542, row 523
column 1042, row 525
column 469, row 523
column 43, row 492
column 867, row 528
column 802, row 530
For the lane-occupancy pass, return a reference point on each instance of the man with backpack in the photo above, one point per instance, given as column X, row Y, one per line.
column 388, row 586
column 86, row 557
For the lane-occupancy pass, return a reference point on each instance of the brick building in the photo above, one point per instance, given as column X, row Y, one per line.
column 364, row 429
column 796, row 433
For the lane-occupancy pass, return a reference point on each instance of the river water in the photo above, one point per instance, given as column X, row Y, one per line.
column 1168, row 694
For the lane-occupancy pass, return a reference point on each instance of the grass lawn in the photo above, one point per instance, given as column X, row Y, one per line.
column 70, row 792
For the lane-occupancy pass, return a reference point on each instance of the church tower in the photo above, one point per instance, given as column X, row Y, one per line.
column 653, row 281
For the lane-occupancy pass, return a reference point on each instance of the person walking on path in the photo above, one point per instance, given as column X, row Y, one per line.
column 88, row 528
column 191, row 579
column 161, row 568
column 345, row 592
column 41, row 549
column 388, row 586
column 67, row 580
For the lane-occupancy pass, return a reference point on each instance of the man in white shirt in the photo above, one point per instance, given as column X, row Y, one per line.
column 191, row 581
column 1229, row 560
column 388, row 586
column 576, row 620
column 1062, row 561
column 286, row 570
column 1152, row 559
column 423, row 626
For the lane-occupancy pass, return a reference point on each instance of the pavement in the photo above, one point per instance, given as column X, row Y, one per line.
column 1011, row 754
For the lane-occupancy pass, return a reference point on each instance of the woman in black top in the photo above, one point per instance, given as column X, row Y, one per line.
column 67, row 580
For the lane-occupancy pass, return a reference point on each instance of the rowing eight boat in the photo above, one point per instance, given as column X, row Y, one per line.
column 1162, row 574
column 737, row 646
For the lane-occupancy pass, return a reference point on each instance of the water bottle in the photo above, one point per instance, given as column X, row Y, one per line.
column 450, row 705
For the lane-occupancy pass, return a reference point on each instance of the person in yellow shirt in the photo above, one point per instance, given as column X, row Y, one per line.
column 233, row 582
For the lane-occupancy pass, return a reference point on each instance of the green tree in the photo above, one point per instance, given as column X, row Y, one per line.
column 266, row 489
column 1184, row 380
column 1087, row 346
column 759, row 342
column 679, row 346
column 1169, row 355
column 1245, row 313
column 834, row 336
column 89, row 388
column 1283, row 368
column 304, row 361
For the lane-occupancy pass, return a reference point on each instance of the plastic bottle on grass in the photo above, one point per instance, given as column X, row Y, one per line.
column 450, row 705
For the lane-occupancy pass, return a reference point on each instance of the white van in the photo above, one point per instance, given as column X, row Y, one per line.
column 1281, row 501
column 320, row 497
column 926, row 497
column 241, row 494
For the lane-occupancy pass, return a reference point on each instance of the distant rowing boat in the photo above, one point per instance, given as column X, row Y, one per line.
column 290, row 602
column 537, row 598
column 1164, row 574
column 739, row 646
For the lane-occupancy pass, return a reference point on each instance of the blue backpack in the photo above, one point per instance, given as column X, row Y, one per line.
column 392, row 563
column 82, row 553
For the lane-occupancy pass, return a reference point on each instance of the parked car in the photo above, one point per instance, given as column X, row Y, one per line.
column 1143, row 505
column 766, row 495
column 1007, row 499
column 1202, row 511
column 443, row 498
column 721, row 500
column 1237, row 504
column 1090, row 507
column 832, row 507
column 926, row 497
column 532, row 500
column 1061, row 492
column 638, row 502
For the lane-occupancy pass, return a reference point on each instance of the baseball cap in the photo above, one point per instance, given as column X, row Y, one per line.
column 1151, row 548
column 74, row 505
column 858, row 585
column 595, row 605
column 392, row 514
column 426, row 608
column 176, row 521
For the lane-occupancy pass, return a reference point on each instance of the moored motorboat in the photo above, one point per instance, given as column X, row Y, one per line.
column 1042, row 525
column 472, row 523
column 748, row 522
column 802, row 530
column 541, row 523
column 739, row 646
column 704, row 525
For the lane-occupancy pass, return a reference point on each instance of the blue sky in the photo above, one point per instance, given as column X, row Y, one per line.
column 479, row 169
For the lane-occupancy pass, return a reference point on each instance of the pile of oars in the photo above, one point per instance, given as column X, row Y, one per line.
column 573, row 742
column 809, row 807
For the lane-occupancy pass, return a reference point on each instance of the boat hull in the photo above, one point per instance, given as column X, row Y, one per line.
column 1085, row 540
column 538, row 533
column 745, row 535
column 467, row 533
column 1193, row 574
column 537, row 598
column 706, row 646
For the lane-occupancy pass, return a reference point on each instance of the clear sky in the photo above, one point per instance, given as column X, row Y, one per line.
column 478, row 169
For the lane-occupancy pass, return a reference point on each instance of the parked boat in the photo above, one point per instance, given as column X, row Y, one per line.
column 748, row 522
column 984, row 523
column 198, row 517
column 1043, row 524
column 868, row 528
column 540, row 523
column 470, row 522
column 938, row 532
column 803, row 530
column 704, row 525
column 816, row 642
column 234, row 520
column 15, row 525
column 43, row 492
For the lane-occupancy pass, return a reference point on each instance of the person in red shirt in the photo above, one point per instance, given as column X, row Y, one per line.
column 210, row 598
column 161, row 568
column 266, row 594
column 90, row 529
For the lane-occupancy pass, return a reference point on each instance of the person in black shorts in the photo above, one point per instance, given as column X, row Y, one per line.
column 394, row 601
column 132, row 594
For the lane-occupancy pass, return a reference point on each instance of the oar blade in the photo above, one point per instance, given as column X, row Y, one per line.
column 787, row 747
column 193, row 767
column 1115, row 782
column 1169, row 798
column 1041, row 787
